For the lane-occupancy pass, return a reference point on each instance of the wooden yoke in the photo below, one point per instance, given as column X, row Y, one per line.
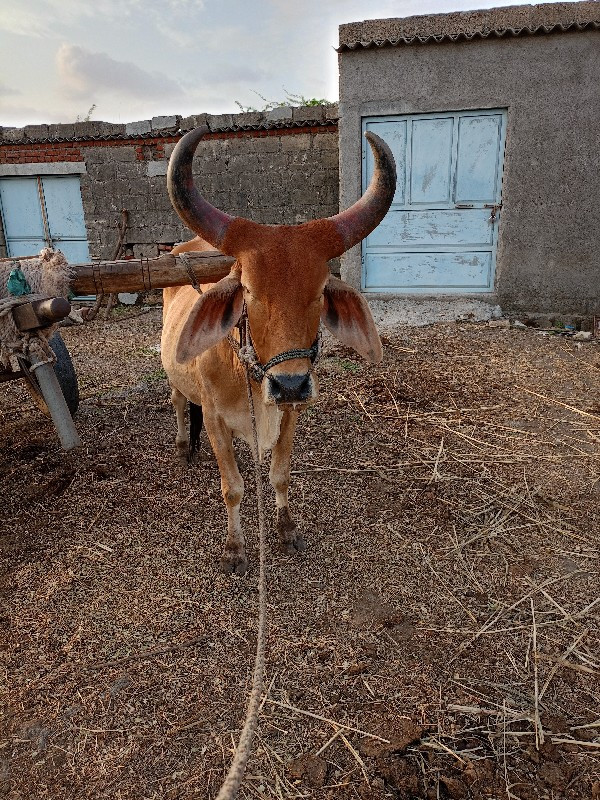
column 142, row 275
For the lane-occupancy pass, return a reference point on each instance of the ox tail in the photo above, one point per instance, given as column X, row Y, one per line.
column 196, row 419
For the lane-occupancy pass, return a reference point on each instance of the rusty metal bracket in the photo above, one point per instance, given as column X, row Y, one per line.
column 494, row 208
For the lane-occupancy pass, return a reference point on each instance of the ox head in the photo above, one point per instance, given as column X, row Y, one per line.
column 282, row 276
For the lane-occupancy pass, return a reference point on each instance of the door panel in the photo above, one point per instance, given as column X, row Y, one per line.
column 394, row 134
column 21, row 210
column 24, row 247
column 64, row 208
column 433, row 228
column 439, row 234
column 76, row 252
column 430, row 271
column 477, row 164
column 22, row 202
column 431, row 161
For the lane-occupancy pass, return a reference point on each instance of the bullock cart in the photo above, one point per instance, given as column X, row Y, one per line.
column 30, row 319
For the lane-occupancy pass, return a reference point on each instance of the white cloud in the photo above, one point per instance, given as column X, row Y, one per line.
column 21, row 22
column 230, row 72
column 140, row 58
column 42, row 18
column 184, row 5
column 7, row 90
column 85, row 74
column 15, row 115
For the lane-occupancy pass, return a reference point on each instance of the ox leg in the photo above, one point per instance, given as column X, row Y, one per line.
column 182, row 443
column 233, row 559
column 279, row 475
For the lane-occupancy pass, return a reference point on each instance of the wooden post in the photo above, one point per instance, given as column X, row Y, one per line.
column 142, row 275
column 57, row 405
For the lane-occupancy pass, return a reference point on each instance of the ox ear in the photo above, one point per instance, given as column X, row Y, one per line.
column 211, row 318
column 347, row 315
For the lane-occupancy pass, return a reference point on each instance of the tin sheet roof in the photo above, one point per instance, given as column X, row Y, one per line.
column 461, row 26
column 280, row 119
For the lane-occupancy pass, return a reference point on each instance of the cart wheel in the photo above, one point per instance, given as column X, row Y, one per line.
column 65, row 372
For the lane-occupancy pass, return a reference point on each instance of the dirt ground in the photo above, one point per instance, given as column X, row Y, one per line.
column 438, row 639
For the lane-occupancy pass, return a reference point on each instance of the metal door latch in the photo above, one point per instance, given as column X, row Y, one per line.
column 494, row 208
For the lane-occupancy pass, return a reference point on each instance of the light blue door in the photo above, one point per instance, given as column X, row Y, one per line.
column 440, row 234
column 44, row 211
column 24, row 229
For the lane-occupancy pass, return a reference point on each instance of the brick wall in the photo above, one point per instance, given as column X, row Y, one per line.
column 279, row 167
column 44, row 152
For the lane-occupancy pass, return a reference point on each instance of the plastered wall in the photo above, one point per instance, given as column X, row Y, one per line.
column 549, row 234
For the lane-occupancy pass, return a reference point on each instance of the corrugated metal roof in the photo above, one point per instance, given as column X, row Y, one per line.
column 465, row 26
column 267, row 126
column 166, row 134
column 497, row 33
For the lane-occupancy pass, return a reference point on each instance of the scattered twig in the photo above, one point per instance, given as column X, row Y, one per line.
column 435, row 475
column 329, row 742
column 437, row 745
column 490, row 712
column 504, row 611
column 568, row 664
column 578, row 742
column 356, row 757
column 560, row 662
column 539, row 731
column 559, row 403
column 152, row 653
column 333, row 722
column 449, row 591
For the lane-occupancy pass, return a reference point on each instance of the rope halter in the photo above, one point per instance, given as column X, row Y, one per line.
column 248, row 356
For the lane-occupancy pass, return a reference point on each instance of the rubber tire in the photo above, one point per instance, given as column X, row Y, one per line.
column 65, row 373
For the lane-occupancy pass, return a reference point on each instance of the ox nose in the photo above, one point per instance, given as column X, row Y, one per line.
column 290, row 388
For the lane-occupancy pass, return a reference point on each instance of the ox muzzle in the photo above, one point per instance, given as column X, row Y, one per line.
column 287, row 388
column 281, row 388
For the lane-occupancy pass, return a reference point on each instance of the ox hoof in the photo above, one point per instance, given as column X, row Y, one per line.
column 182, row 453
column 290, row 540
column 233, row 564
column 295, row 545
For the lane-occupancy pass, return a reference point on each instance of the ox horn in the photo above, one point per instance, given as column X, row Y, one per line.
column 351, row 225
column 364, row 216
column 198, row 214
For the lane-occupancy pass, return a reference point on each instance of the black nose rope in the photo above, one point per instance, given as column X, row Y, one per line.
column 244, row 349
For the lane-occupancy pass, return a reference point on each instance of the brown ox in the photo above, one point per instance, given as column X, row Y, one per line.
column 281, row 280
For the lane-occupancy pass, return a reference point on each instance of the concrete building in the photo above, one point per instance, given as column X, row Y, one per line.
column 494, row 120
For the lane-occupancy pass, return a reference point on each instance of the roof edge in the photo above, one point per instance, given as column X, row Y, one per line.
column 460, row 26
column 287, row 117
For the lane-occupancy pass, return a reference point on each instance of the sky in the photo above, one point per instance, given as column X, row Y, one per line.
column 128, row 60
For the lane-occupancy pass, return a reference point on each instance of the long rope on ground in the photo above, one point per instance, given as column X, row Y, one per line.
column 237, row 769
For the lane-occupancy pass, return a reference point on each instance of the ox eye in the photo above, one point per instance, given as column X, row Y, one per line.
column 248, row 294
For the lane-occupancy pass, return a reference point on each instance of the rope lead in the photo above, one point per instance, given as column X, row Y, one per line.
column 237, row 769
